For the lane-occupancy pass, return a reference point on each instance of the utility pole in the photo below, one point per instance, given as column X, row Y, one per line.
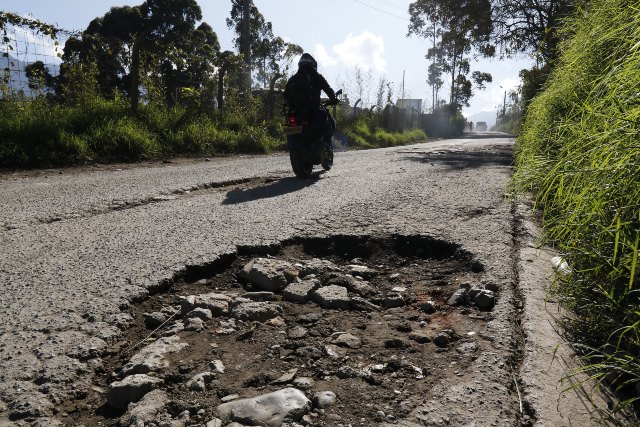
column 403, row 71
column 246, row 45
column 504, row 104
column 433, row 86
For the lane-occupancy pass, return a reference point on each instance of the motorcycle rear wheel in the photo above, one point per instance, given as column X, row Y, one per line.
column 300, row 164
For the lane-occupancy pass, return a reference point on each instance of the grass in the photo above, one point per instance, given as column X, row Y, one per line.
column 364, row 133
column 579, row 153
column 41, row 133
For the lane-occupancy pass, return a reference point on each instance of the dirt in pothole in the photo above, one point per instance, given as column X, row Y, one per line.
column 383, row 379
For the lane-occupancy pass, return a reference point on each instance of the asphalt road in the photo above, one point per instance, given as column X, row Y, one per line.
column 76, row 249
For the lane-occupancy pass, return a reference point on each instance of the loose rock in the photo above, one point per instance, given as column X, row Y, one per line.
column 152, row 357
column 154, row 320
column 146, row 410
column 442, row 340
column 485, row 300
column 429, row 307
column 201, row 313
column 216, row 302
column 286, row 378
column 459, row 297
column 347, row 340
column 360, row 304
column 130, row 389
column 216, row 422
column 304, row 383
column 334, row 352
column 218, row 366
column 419, row 337
column 324, row 399
column 200, row 381
column 270, row 410
column 194, row 324
column 300, row 291
column 362, row 271
column 297, row 332
column 267, row 274
column 260, row 296
column 393, row 301
column 256, row 311
column 316, row 266
column 333, row 297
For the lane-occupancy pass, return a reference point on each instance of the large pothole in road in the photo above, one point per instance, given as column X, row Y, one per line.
column 347, row 330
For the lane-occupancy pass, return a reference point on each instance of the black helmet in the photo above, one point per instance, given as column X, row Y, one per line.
column 307, row 60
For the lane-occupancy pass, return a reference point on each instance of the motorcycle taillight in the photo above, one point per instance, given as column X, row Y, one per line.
column 292, row 120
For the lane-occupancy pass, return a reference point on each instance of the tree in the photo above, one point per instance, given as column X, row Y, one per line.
column 246, row 21
column 39, row 77
column 157, row 40
column 531, row 26
column 458, row 28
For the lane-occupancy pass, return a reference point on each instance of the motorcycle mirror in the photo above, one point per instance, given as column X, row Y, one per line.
column 339, row 92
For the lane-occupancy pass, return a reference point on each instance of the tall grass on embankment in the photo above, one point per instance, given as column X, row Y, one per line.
column 579, row 153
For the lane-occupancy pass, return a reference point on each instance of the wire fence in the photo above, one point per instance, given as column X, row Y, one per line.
column 25, row 54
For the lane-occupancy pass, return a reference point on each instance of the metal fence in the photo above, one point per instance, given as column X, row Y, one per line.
column 22, row 49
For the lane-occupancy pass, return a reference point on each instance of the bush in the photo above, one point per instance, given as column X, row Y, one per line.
column 578, row 152
column 364, row 132
column 122, row 139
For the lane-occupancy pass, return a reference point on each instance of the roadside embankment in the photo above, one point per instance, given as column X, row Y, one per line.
column 578, row 153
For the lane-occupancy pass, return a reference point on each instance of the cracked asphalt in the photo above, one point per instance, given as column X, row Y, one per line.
column 77, row 249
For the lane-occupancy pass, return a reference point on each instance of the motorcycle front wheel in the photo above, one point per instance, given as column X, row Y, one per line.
column 327, row 161
column 300, row 164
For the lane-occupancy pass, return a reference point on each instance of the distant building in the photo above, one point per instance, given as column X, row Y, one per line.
column 410, row 104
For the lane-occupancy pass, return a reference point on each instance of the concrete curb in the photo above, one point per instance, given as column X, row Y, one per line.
column 548, row 359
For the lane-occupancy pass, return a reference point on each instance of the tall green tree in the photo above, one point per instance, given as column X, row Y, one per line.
column 247, row 21
column 460, row 28
column 39, row 78
column 157, row 40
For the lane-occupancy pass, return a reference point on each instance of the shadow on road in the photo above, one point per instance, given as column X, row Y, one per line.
column 272, row 189
column 486, row 135
column 496, row 156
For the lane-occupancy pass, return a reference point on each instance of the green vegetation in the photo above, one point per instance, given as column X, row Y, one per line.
column 364, row 132
column 148, row 82
column 510, row 115
column 40, row 133
column 579, row 153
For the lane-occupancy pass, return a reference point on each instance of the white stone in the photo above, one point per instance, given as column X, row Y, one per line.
column 270, row 410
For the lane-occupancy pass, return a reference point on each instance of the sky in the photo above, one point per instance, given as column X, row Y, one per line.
column 341, row 34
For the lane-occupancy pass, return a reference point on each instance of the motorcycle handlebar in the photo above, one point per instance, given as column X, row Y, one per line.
column 330, row 102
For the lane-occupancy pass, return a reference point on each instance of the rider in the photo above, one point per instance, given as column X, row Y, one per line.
column 302, row 93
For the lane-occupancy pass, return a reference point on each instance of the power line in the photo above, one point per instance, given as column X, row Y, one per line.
column 392, row 5
column 381, row 10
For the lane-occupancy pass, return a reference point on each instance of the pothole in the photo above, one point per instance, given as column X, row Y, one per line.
column 347, row 330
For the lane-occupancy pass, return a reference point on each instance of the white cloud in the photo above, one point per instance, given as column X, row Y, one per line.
column 322, row 56
column 365, row 50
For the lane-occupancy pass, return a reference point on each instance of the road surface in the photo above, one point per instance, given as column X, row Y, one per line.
column 78, row 248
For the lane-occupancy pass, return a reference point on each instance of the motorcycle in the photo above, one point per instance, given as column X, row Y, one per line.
column 306, row 145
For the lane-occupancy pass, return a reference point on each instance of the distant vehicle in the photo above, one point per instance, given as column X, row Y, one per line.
column 481, row 126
